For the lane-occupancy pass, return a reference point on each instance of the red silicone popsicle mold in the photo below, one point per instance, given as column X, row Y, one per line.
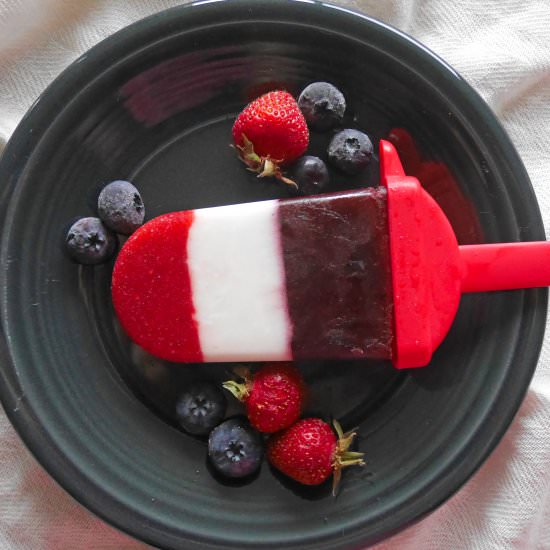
column 430, row 270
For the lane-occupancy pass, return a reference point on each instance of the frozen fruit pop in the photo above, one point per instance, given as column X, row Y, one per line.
column 272, row 280
column 369, row 273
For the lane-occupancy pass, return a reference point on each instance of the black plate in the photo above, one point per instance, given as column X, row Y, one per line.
column 155, row 104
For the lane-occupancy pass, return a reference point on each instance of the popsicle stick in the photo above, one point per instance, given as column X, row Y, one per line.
column 505, row 266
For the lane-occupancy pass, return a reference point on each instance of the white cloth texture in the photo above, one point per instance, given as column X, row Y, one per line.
column 502, row 48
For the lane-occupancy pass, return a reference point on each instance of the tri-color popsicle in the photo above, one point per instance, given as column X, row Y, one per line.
column 271, row 280
column 369, row 273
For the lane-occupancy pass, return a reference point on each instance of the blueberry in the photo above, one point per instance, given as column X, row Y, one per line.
column 120, row 207
column 89, row 242
column 201, row 407
column 323, row 106
column 235, row 449
column 350, row 151
column 310, row 174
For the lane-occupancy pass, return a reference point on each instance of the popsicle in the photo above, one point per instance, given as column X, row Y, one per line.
column 271, row 280
column 368, row 273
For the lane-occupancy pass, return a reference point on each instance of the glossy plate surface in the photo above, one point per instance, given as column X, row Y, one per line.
column 154, row 104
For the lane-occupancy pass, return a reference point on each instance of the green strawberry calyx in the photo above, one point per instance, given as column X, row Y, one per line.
column 240, row 390
column 263, row 166
column 343, row 457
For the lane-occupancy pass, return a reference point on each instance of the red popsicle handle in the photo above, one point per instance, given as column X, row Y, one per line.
column 430, row 270
column 505, row 266
column 425, row 265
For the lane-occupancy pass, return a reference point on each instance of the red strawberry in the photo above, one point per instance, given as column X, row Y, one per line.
column 273, row 396
column 309, row 452
column 269, row 132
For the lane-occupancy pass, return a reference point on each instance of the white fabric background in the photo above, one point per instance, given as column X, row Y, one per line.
column 502, row 47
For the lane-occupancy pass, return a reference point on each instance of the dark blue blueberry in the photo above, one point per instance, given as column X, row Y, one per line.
column 310, row 174
column 89, row 242
column 201, row 407
column 235, row 449
column 350, row 151
column 323, row 106
column 120, row 207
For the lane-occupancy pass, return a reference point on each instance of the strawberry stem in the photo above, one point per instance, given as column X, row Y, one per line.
column 248, row 155
column 263, row 166
column 240, row 390
column 342, row 456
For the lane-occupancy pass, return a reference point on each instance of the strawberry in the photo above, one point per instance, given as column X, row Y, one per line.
column 309, row 452
column 273, row 396
column 269, row 132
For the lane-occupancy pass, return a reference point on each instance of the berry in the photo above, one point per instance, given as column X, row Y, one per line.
column 235, row 449
column 309, row 452
column 269, row 132
column 350, row 151
column 323, row 105
column 310, row 174
column 89, row 242
column 273, row 397
column 120, row 207
column 201, row 407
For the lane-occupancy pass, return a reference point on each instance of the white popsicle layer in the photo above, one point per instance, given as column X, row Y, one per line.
column 238, row 282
